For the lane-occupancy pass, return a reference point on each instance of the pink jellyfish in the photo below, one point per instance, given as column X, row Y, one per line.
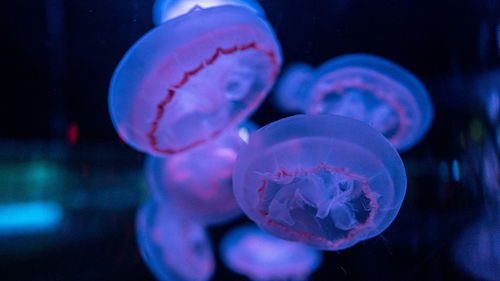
column 260, row 256
column 197, row 183
column 186, row 81
column 364, row 87
column 172, row 247
column 325, row 180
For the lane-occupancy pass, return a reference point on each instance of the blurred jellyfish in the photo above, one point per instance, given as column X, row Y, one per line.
column 164, row 10
column 364, row 87
column 477, row 250
column 491, row 170
column 197, row 183
column 259, row 256
column 173, row 248
column 290, row 86
column 186, row 81
column 487, row 86
column 325, row 180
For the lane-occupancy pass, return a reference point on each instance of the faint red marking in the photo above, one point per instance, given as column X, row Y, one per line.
column 332, row 245
column 72, row 133
column 153, row 142
column 159, row 113
column 261, row 189
column 248, row 46
column 188, row 74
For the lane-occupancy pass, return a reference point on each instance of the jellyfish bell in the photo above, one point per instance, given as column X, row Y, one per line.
column 370, row 89
column 487, row 87
column 189, row 79
column 260, row 256
column 172, row 247
column 198, row 182
column 477, row 250
column 324, row 180
column 289, row 93
column 164, row 10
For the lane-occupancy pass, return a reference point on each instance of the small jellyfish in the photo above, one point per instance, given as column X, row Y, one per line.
column 259, row 256
column 477, row 250
column 198, row 182
column 292, row 80
column 325, row 180
column 187, row 80
column 164, row 10
column 487, row 88
column 364, row 87
column 172, row 247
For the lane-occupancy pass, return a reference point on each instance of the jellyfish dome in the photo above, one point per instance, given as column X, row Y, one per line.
column 260, row 256
column 325, row 180
column 477, row 250
column 370, row 89
column 187, row 80
column 173, row 247
column 164, row 10
column 197, row 183
column 288, row 92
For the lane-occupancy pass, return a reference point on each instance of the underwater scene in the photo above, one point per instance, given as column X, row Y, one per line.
column 263, row 140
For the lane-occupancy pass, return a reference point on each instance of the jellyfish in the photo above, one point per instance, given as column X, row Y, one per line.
column 172, row 247
column 198, row 182
column 364, row 87
column 292, row 80
column 325, row 180
column 164, row 10
column 487, row 87
column 187, row 80
column 260, row 256
column 477, row 250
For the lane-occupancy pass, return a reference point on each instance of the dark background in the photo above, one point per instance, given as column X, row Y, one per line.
column 59, row 57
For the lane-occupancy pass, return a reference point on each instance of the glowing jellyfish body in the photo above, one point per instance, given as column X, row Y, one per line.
column 173, row 247
column 197, row 183
column 189, row 79
column 477, row 251
column 290, row 85
column 325, row 180
column 367, row 88
column 164, row 10
column 259, row 256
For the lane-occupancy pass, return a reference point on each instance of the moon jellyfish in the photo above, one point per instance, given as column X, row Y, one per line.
column 189, row 79
column 172, row 247
column 364, row 87
column 259, row 256
column 290, row 84
column 477, row 251
column 325, row 180
column 164, row 10
column 197, row 183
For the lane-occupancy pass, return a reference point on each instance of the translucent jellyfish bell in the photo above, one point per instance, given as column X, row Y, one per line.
column 197, row 183
column 172, row 247
column 164, row 10
column 477, row 251
column 259, row 256
column 325, row 180
column 367, row 88
column 189, row 79
column 288, row 95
